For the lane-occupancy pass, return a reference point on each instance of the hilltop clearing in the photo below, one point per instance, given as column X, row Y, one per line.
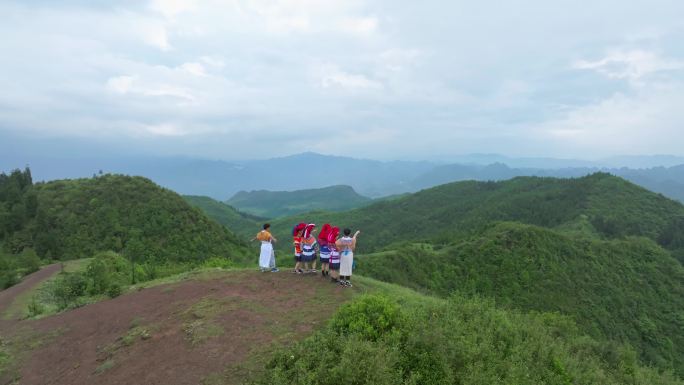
column 216, row 325
column 235, row 327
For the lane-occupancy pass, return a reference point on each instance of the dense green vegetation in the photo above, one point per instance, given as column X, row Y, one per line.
column 106, row 275
column 18, row 203
column 73, row 219
column 15, row 266
column 614, row 207
column 225, row 214
column 627, row 290
column 273, row 204
column 374, row 340
column 597, row 248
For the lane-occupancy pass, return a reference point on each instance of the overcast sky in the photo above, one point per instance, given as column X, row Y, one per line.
column 386, row 79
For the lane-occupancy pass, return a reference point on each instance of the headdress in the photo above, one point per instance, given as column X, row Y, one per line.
column 308, row 229
column 298, row 228
column 323, row 235
column 332, row 235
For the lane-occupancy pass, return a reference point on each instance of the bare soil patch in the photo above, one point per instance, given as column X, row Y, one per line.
column 193, row 332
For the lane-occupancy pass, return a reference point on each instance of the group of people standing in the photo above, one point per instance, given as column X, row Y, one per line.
column 335, row 252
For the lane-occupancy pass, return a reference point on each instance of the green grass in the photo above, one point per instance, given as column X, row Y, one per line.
column 138, row 331
column 199, row 273
column 20, row 307
column 75, row 265
column 105, row 366
column 201, row 318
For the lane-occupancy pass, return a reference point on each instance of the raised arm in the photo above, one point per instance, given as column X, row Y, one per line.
column 356, row 234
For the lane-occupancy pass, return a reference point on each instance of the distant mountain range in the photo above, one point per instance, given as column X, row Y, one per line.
column 272, row 204
column 221, row 179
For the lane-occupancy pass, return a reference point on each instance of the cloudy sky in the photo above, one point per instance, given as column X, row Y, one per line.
column 386, row 79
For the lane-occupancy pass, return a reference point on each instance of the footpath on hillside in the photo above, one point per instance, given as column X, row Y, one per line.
column 31, row 281
column 216, row 327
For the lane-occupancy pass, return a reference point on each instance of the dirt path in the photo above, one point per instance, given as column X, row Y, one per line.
column 8, row 296
column 210, row 331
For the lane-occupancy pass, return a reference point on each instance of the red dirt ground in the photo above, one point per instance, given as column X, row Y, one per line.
column 242, row 313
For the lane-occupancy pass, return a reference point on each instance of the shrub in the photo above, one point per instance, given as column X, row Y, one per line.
column 214, row 262
column 371, row 317
column 68, row 287
column 104, row 271
column 114, row 291
column 35, row 308
column 462, row 340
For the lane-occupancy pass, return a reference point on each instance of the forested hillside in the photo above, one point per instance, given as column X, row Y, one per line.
column 72, row 219
column 613, row 207
column 273, row 204
column 597, row 248
column 225, row 214
column 628, row 290
column 18, row 203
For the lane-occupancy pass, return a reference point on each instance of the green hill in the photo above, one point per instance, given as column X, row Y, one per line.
column 225, row 214
column 72, row 219
column 586, row 247
column 183, row 330
column 629, row 290
column 273, row 204
column 395, row 336
column 613, row 207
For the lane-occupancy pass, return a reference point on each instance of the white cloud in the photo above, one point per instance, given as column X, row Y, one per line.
column 134, row 85
column 413, row 74
column 623, row 124
column 213, row 61
column 196, row 69
column 165, row 129
column 171, row 8
column 309, row 16
column 154, row 34
column 631, row 65
column 330, row 76
column 359, row 25
column 397, row 59
column 120, row 84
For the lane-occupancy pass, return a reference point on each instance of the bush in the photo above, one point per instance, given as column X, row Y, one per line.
column 29, row 261
column 9, row 278
column 114, row 291
column 214, row 262
column 373, row 340
column 370, row 317
column 68, row 287
column 107, row 269
column 35, row 308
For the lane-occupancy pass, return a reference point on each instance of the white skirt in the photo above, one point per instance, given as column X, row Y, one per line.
column 265, row 256
column 346, row 262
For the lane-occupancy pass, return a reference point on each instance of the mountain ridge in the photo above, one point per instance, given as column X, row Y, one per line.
column 272, row 204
